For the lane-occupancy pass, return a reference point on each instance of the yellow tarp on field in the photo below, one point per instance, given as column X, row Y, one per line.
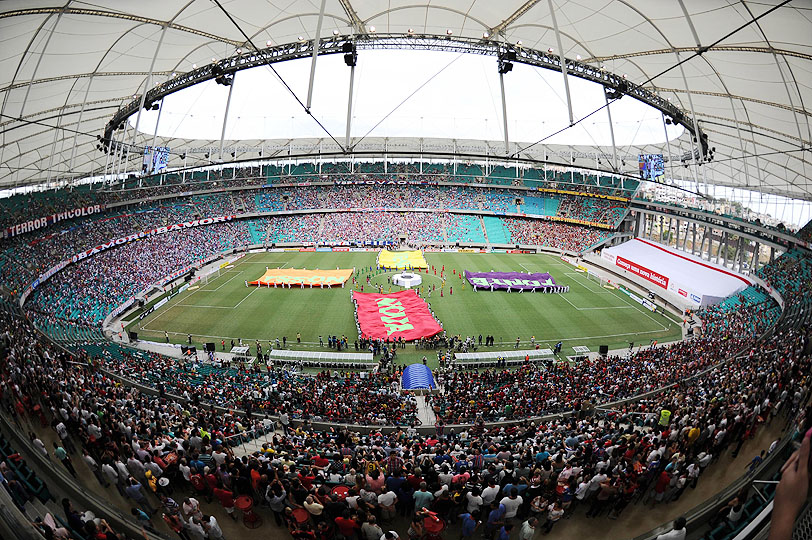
column 401, row 260
column 295, row 276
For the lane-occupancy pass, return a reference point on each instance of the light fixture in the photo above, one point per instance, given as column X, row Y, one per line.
column 577, row 56
column 372, row 29
column 519, row 43
column 449, row 32
column 194, row 66
column 410, row 31
column 335, row 32
column 239, row 51
column 550, row 50
column 350, row 54
column 603, row 67
column 213, row 60
column 485, row 35
column 268, row 43
column 301, row 38
column 624, row 75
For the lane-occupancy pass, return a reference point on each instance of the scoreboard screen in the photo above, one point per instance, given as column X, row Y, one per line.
column 651, row 166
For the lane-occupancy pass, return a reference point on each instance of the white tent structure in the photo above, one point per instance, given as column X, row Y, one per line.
column 690, row 280
column 739, row 71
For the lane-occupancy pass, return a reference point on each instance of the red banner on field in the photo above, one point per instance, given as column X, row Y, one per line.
column 398, row 315
column 643, row 272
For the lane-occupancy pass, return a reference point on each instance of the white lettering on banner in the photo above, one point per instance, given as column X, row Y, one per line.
column 107, row 245
column 38, row 223
column 145, row 234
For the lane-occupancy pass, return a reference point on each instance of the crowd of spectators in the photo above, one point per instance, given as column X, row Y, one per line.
column 791, row 274
column 24, row 257
column 553, row 234
column 534, row 474
column 25, row 206
column 88, row 290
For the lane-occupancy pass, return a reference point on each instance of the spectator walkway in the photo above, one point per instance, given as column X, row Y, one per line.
column 424, row 412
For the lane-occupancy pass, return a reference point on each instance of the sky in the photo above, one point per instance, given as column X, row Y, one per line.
column 406, row 94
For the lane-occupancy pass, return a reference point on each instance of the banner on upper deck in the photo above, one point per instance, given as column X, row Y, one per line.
column 401, row 260
column 398, row 315
column 296, row 276
column 509, row 280
column 44, row 221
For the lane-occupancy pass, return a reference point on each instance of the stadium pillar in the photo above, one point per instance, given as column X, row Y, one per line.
column 504, row 112
column 668, row 145
column 316, row 40
column 705, row 235
column 563, row 61
column 155, row 133
column 693, row 237
column 737, row 254
column 106, row 161
column 719, row 246
column 225, row 115
column 349, row 109
column 612, row 134
column 676, row 243
column 662, row 228
column 79, row 123
column 148, row 83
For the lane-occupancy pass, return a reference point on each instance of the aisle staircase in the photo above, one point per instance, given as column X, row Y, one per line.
column 496, row 231
column 321, row 226
column 484, row 230
column 424, row 412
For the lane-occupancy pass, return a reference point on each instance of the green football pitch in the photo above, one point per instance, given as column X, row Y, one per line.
column 224, row 308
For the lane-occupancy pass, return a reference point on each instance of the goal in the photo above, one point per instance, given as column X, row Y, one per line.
column 600, row 280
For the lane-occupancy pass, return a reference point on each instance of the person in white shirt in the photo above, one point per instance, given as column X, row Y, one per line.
column 213, row 528
column 195, row 529
column 387, row 501
column 474, row 500
column 528, row 529
column 677, row 533
column 489, row 494
column 512, row 503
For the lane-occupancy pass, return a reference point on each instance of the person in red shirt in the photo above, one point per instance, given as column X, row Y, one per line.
column 199, row 484
column 306, row 478
column 346, row 525
column 321, row 462
column 226, row 498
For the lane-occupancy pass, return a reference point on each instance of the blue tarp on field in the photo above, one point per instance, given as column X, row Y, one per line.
column 417, row 376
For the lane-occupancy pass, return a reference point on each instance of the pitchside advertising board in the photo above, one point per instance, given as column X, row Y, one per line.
column 651, row 276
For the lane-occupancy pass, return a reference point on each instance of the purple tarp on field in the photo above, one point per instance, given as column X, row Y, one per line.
column 509, row 280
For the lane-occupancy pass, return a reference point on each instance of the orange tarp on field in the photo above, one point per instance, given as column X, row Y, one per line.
column 294, row 276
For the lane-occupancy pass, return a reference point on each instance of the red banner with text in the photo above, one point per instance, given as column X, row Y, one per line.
column 398, row 315
column 643, row 272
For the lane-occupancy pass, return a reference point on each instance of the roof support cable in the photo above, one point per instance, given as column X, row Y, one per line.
column 278, row 76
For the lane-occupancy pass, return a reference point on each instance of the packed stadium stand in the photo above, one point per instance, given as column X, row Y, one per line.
column 374, row 160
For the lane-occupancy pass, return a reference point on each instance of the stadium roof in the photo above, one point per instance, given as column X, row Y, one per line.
column 74, row 64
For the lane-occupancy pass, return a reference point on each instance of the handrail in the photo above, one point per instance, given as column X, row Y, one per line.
column 56, row 476
column 699, row 513
column 13, row 523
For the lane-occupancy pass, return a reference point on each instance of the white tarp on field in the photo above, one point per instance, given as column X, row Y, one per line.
column 699, row 282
